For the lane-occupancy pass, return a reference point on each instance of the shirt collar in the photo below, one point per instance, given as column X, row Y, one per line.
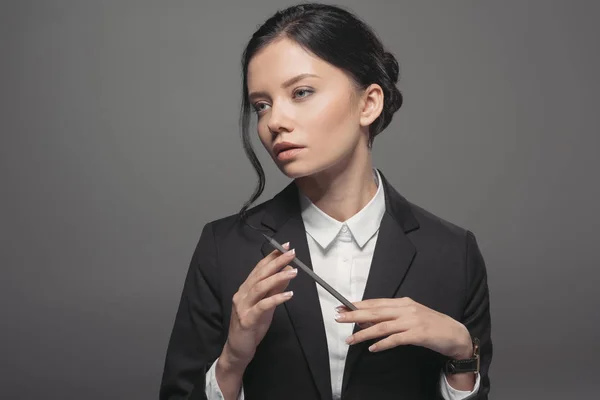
column 362, row 225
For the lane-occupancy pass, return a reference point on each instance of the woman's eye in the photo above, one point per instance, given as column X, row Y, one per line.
column 300, row 93
column 260, row 107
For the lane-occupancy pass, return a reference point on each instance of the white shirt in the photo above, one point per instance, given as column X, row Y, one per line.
column 341, row 254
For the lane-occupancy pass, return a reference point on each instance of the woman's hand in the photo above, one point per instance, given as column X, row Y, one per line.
column 253, row 307
column 403, row 321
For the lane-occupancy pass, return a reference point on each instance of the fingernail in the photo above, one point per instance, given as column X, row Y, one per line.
column 372, row 348
column 286, row 245
column 340, row 309
column 293, row 272
column 349, row 340
column 289, row 294
column 338, row 316
column 290, row 252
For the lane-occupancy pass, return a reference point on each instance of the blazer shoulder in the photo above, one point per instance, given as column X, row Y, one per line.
column 430, row 222
column 224, row 225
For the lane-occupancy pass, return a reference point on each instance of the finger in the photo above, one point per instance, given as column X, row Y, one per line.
column 274, row 266
column 377, row 303
column 260, row 289
column 372, row 315
column 268, row 266
column 381, row 329
column 395, row 340
column 266, row 305
column 343, row 309
column 282, row 286
column 268, row 258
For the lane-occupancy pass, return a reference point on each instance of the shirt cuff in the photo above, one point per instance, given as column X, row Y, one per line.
column 212, row 389
column 449, row 393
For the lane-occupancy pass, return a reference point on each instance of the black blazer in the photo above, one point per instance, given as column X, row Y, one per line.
column 417, row 255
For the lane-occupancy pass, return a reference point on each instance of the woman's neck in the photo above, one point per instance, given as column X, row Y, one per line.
column 342, row 190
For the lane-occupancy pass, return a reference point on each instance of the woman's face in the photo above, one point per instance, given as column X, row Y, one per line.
column 303, row 100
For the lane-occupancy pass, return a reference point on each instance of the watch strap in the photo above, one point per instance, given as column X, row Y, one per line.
column 468, row 365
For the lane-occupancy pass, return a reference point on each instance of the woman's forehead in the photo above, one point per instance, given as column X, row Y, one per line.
column 282, row 60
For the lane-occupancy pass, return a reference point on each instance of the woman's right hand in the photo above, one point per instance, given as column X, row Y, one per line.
column 253, row 307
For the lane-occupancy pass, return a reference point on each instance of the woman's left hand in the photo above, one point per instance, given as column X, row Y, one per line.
column 403, row 321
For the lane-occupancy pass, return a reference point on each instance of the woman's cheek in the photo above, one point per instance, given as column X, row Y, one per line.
column 264, row 139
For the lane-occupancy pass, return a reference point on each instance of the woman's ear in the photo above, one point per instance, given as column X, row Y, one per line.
column 371, row 104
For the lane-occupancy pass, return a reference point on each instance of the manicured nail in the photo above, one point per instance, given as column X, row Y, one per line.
column 349, row 340
column 289, row 294
column 286, row 245
column 338, row 316
column 372, row 348
column 292, row 272
column 290, row 252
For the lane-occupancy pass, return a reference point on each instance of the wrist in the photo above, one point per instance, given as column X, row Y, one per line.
column 230, row 364
column 229, row 373
column 466, row 352
column 464, row 349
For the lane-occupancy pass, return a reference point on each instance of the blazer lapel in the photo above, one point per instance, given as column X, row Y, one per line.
column 392, row 258
column 283, row 216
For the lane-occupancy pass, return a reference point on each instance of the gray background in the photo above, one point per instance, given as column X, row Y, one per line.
column 119, row 141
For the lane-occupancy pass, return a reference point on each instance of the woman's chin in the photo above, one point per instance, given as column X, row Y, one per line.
column 294, row 170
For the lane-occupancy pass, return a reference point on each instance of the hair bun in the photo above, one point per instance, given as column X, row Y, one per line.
column 391, row 66
column 393, row 97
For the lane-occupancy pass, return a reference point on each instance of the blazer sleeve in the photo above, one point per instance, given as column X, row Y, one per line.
column 476, row 316
column 197, row 337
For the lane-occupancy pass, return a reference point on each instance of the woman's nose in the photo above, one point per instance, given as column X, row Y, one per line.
column 279, row 120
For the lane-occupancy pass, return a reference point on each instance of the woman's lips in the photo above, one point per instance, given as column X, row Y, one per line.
column 289, row 154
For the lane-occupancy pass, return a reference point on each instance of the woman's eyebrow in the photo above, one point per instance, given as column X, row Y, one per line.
column 284, row 85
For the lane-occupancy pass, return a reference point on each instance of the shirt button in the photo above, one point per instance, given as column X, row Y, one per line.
column 344, row 228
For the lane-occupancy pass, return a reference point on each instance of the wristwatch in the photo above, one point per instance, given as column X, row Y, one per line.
column 469, row 365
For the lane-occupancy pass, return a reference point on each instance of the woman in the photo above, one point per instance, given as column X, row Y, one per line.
column 249, row 325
